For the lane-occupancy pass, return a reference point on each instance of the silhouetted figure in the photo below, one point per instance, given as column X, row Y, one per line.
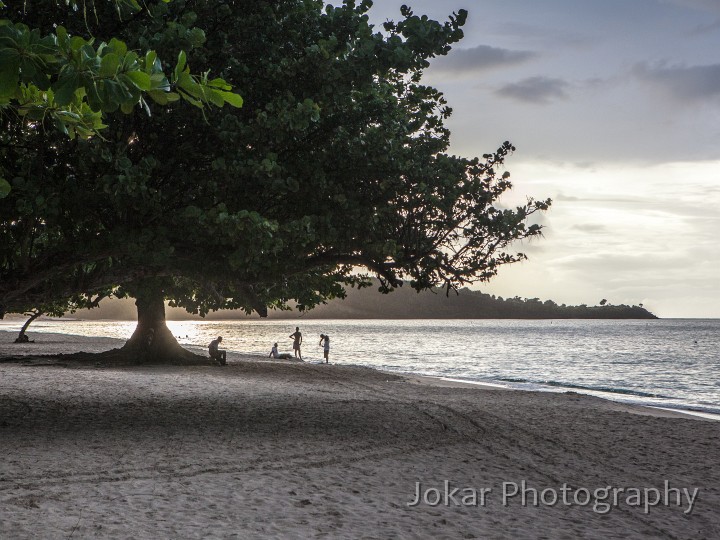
column 325, row 344
column 149, row 338
column 275, row 354
column 297, row 342
column 215, row 353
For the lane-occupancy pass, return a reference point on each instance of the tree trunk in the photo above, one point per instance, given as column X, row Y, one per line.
column 21, row 336
column 152, row 341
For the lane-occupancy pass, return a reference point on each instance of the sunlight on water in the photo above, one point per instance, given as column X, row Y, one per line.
column 666, row 362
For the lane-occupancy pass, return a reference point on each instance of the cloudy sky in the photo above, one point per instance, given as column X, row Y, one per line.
column 614, row 107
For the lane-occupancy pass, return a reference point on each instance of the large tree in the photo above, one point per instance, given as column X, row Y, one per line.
column 336, row 162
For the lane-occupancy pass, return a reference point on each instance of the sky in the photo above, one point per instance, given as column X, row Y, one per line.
column 614, row 108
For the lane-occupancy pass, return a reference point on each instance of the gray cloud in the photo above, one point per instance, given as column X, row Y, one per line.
column 614, row 199
column 591, row 228
column 566, row 198
column 686, row 83
column 708, row 6
column 480, row 58
column 538, row 90
column 544, row 36
column 708, row 28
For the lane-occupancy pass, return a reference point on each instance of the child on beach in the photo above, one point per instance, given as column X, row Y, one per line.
column 325, row 344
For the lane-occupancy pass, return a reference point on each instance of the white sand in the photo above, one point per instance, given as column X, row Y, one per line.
column 264, row 449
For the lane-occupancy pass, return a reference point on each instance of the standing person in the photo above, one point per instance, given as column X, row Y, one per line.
column 216, row 353
column 325, row 343
column 297, row 342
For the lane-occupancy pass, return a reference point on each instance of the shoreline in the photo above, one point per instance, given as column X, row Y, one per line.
column 636, row 408
column 100, row 344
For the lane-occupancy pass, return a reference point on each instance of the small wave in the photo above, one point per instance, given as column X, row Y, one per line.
column 705, row 412
column 608, row 389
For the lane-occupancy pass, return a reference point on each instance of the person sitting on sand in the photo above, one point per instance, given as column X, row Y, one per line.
column 275, row 354
column 149, row 338
column 215, row 353
column 297, row 341
column 325, row 344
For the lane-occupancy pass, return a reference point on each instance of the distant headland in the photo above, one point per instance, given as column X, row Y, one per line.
column 403, row 303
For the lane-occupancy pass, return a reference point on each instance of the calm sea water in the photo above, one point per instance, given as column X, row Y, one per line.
column 670, row 363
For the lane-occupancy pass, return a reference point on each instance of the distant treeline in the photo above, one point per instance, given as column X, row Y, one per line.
column 405, row 303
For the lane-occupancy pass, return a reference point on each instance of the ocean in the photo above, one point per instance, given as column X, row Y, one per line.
column 672, row 363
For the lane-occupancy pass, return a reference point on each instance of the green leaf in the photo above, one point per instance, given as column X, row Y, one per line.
column 189, row 86
column 93, row 97
column 150, row 58
column 158, row 81
column 118, row 46
column 219, row 84
column 77, row 43
column 4, row 188
column 145, row 106
column 214, row 97
column 62, row 36
column 197, row 37
column 140, row 79
column 61, row 126
column 187, row 97
column 65, row 87
column 109, row 65
column 129, row 62
column 182, row 60
column 158, row 97
column 9, row 71
column 232, row 99
column 113, row 94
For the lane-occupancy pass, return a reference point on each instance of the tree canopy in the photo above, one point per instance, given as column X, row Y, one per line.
column 337, row 161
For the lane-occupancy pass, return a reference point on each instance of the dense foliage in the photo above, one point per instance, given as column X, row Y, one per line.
column 71, row 81
column 335, row 162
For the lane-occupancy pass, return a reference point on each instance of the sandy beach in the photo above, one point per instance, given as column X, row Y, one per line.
column 272, row 449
